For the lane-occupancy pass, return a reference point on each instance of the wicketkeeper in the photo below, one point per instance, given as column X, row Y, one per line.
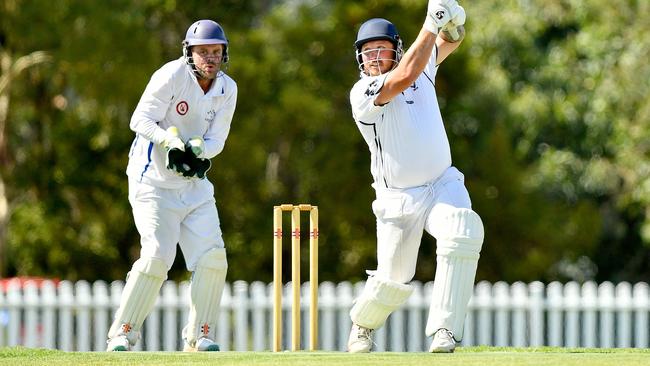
column 181, row 122
column 395, row 107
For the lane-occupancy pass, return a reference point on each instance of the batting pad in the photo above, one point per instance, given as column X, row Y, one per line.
column 138, row 297
column 205, row 291
column 379, row 298
column 459, row 240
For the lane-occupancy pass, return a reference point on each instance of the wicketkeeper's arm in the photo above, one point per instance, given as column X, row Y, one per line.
column 152, row 108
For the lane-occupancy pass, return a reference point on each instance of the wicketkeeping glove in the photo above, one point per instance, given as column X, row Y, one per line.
column 172, row 139
column 197, row 145
column 198, row 167
column 175, row 152
column 438, row 14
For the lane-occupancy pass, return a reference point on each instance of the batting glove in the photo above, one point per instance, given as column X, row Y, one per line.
column 458, row 16
column 438, row 15
column 196, row 145
column 457, row 19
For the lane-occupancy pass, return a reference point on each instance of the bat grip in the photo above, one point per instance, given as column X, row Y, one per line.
column 453, row 32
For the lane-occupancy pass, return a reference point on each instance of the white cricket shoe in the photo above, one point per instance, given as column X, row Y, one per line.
column 360, row 340
column 202, row 344
column 443, row 341
column 118, row 343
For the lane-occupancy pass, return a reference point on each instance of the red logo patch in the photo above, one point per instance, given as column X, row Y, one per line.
column 182, row 108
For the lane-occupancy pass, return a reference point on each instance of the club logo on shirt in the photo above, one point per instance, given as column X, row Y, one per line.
column 182, row 108
column 210, row 117
column 373, row 88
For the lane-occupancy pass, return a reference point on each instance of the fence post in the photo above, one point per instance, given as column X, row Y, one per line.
column 641, row 308
column 396, row 330
column 484, row 306
column 345, row 296
column 81, row 303
column 327, row 306
column 519, row 296
column 415, row 330
column 590, row 306
column 240, row 309
column 48, row 301
column 31, row 335
column 151, row 329
column 572, row 321
column 555, row 307
column 537, row 324
column 4, row 314
column 101, row 306
column 259, row 306
column 14, row 301
column 501, row 296
column 66, row 304
column 606, row 306
column 623, row 303
column 170, row 304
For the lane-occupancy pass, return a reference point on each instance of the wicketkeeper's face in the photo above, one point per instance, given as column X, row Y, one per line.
column 379, row 57
column 207, row 59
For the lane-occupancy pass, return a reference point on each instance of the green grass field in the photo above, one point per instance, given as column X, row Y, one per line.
column 467, row 356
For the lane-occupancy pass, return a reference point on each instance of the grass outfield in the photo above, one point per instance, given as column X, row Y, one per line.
column 465, row 356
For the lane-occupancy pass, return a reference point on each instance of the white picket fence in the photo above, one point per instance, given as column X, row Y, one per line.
column 76, row 316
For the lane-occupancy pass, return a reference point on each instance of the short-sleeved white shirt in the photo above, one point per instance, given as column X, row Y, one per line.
column 406, row 137
column 173, row 97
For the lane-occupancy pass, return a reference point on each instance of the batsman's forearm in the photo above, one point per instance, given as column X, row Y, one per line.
column 416, row 58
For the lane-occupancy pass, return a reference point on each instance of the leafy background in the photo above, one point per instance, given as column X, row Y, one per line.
column 545, row 104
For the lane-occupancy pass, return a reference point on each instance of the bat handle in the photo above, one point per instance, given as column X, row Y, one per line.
column 453, row 32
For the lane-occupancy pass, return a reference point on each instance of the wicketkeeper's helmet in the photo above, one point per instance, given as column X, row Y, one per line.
column 204, row 32
column 374, row 29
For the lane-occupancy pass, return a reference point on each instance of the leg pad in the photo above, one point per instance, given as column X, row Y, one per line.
column 379, row 298
column 205, row 291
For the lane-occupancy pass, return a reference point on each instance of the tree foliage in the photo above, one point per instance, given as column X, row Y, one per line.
column 545, row 105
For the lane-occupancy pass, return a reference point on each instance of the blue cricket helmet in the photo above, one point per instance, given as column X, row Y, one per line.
column 204, row 32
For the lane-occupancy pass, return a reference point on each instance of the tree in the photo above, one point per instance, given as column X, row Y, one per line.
column 10, row 71
column 544, row 104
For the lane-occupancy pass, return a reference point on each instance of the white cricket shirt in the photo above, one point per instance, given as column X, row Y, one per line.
column 407, row 139
column 173, row 97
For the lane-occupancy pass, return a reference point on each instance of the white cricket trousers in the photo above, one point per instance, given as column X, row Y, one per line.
column 403, row 214
column 187, row 216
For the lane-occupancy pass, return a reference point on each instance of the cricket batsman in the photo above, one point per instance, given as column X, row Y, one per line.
column 395, row 107
column 181, row 122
